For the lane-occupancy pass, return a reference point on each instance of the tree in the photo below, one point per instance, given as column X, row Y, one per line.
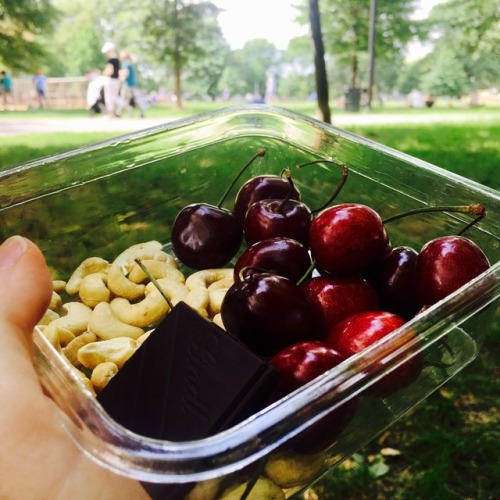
column 446, row 75
column 22, row 23
column 345, row 28
column 205, row 73
column 249, row 66
column 469, row 31
column 319, row 61
column 177, row 32
column 297, row 73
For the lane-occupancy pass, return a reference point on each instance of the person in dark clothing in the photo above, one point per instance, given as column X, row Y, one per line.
column 112, row 83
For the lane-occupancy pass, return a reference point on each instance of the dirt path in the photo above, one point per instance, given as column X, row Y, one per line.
column 102, row 124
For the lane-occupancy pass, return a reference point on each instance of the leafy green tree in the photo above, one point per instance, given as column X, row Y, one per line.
column 249, row 66
column 470, row 31
column 176, row 33
column 446, row 75
column 22, row 23
column 297, row 74
column 410, row 76
column 345, row 28
column 205, row 73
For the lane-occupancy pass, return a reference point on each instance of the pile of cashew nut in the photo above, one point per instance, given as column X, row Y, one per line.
column 113, row 307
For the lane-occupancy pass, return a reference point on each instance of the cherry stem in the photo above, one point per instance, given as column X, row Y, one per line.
column 472, row 223
column 154, row 281
column 472, row 209
column 286, row 172
column 260, row 153
column 340, row 185
column 309, row 270
column 243, row 270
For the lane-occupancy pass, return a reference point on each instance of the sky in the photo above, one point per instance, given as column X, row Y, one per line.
column 244, row 20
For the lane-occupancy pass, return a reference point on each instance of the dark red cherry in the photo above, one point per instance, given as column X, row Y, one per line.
column 299, row 364
column 445, row 264
column 267, row 312
column 205, row 236
column 359, row 331
column 279, row 255
column 347, row 238
column 394, row 280
column 334, row 299
column 262, row 187
column 271, row 218
column 302, row 362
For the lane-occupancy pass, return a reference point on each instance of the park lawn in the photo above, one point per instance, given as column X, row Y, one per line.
column 448, row 445
column 471, row 151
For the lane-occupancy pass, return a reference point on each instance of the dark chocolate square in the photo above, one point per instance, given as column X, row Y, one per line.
column 188, row 380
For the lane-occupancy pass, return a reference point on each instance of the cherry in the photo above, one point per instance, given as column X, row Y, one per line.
column 271, row 218
column 348, row 238
column 283, row 256
column 298, row 364
column 267, row 312
column 445, row 264
column 262, row 187
column 357, row 332
column 334, row 299
column 207, row 236
column 302, row 362
column 394, row 280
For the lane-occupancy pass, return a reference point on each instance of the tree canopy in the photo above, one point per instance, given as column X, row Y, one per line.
column 179, row 45
column 21, row 24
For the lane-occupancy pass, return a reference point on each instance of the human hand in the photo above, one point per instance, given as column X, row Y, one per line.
column 37, row 457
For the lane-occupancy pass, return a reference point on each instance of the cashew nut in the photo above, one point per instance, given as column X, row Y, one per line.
column 48, row 317
column 262, row 489
column 116, row 350
column 71, row 350
column 55, row 302
column 93, row 289
column 83, row 378
column 206, row 277
column 59, row 286
column 291, row 469
column 121, row 286
column 107, row 326
column 205, row 490
column 150, row 250
column 88, row 266
column 158, row 269
column 143, row 338
column 217, row 319
column 216, row 291
column 66, row 327
column 198, row 299
column 153, row 307
column 102, row 374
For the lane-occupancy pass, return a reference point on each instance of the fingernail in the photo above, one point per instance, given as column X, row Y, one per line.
column 11, row 251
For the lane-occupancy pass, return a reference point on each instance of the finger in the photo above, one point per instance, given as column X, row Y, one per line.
column 25, row 284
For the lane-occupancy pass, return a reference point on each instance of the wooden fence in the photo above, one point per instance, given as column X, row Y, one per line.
column 62, row 93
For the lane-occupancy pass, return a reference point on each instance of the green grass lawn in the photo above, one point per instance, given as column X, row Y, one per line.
column 448, row 445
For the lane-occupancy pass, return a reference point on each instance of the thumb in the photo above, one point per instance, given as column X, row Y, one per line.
column 25, row 288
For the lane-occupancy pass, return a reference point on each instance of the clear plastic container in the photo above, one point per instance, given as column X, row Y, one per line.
column 101, row 199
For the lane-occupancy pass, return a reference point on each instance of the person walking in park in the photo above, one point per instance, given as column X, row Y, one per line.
column 40, row 84
column 6, row 86
column 112, row 82
column 130, row 90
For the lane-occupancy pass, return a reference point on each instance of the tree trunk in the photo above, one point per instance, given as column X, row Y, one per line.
column 319, row 62
column 177, row 84
column 354, row 69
